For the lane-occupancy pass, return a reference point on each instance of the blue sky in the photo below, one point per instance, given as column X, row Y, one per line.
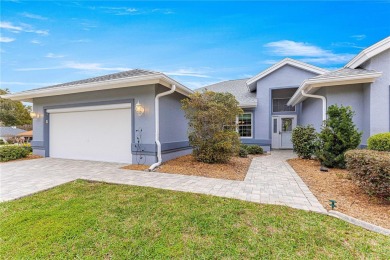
column 197, row 43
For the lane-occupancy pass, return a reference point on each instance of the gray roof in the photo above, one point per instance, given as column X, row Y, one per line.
column 344, row 72
column 7, row 131
column 236, row 87
column 119, row 75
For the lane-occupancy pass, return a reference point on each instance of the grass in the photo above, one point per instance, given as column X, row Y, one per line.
column 96, row 220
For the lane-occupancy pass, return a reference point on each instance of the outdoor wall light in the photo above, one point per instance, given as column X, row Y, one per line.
column 35, row 115
column 139, row 109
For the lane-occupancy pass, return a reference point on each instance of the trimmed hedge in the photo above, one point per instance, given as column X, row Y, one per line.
column 252, row 149
column 379, row 142
column 12, row 152
column 371, row 170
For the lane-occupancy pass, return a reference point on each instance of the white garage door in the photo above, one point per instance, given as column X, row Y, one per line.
column 98, row 133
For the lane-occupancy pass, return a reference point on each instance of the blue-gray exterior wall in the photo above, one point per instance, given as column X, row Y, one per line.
column 283, row 78
column 144, row 94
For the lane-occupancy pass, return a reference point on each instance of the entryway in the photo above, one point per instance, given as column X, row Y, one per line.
column 282, row 127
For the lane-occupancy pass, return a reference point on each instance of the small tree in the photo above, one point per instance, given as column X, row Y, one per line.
column 304, row 141
column 338, row 135
column 212, row 119
column 13, row 113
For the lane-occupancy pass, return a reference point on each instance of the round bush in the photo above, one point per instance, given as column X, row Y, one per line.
column 304, row 139
column 243, row 153
column 254, row 149
column 379, row 142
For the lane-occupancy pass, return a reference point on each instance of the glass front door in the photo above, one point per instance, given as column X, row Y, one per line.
column 282, row 127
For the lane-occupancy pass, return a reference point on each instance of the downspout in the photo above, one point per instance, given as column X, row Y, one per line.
column 323, row 103
column 157, row 125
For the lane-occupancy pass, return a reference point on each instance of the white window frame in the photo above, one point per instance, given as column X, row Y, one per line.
column 250, row 125
column 295, row 107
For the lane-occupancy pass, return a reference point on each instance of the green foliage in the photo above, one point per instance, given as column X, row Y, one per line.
column 2, row 142
column 254, row 149
column 13, row 113
column 371, row 170
column 12, row 152
column 211, row 129
column 304, row 141
column 379, row 142
column 243, row 153
column 338, row 135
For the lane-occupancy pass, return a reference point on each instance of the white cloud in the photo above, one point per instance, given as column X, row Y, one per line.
column 77, row 66
column 35, row 42
column 307, row 52
column 132, row 11
column 54, row 56
column 6, row 39
column 359, row 37
column 187, row 73
column 33, row 16
column 22, row 28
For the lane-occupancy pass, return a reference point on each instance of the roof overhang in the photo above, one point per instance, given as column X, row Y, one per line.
column 312, row 85
column 368, row 53
column 162, row 79
column 298, row 64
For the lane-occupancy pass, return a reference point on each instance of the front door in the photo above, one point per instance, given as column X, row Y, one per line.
column 282, row 127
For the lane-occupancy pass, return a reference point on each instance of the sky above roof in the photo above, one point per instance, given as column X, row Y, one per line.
column 197, row 43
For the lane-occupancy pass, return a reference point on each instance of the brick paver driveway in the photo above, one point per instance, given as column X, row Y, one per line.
column 269, row 180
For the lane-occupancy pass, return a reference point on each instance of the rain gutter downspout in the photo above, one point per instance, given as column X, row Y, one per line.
column 323, row 103
column 157, row 125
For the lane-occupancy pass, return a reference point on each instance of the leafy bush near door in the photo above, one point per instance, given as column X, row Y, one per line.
column 304, row 141
column 212, row 131
column 12, row 152
column 371, row 170
column 338, row 135
column 379, row 142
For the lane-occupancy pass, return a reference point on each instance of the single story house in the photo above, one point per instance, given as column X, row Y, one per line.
column 135, row 116
column 27, row 135
column 7, row 132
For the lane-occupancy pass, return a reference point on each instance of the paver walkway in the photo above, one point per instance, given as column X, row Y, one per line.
column 269, row 180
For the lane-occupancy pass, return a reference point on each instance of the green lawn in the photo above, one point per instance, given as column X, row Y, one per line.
column 88, row 220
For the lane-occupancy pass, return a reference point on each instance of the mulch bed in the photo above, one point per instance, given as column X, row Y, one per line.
column 235, row 169
column 28, row 157
column 337, row 185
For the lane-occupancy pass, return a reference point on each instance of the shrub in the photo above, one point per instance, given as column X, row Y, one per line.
column 212, row 132
column 12, row 152
column 304, row 141
column 379, row 142
column 371, row 170
column 27, row 147
column 244, row 146
column 254, row 149
column 2, row 142
column 338, row 135
column 243, row 152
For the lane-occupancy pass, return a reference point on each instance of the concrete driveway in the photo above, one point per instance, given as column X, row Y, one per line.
column 269, row 180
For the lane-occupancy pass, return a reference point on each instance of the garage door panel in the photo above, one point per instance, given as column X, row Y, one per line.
column 101, row 135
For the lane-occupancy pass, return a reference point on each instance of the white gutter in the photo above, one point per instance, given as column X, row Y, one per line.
column 157, row 126
column 323, row 102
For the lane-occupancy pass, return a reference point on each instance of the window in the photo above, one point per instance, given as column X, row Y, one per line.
column 244, row 125
column 280, row 105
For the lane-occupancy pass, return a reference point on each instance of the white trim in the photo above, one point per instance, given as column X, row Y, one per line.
column 160, row 78
column 286, row 61
column 245, row 137
column 313, row 84
column 368, row 53
column 88, row 108
column 248, row 105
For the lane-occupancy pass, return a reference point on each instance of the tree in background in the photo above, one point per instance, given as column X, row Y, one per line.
column 338, row 135
column 212, row 129
column 14, row 113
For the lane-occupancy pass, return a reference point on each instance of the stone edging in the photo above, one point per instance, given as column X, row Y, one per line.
column 359, row 223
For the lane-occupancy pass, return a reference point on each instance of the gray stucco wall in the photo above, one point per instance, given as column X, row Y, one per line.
column 144, row 94
column 379, row 94
column 285, row 77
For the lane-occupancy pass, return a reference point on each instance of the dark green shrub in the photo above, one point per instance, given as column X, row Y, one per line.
column 243, row 152
column 304, row 141
column 338, row 135
column 212, row 133
column 379, row 142
column 371, row 170
column 12, row 152
column 254, row 149
column 244, row 146
column 2, row 142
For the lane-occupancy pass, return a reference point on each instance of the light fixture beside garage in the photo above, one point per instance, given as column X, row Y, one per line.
column 139, row 109
column 35, row 115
